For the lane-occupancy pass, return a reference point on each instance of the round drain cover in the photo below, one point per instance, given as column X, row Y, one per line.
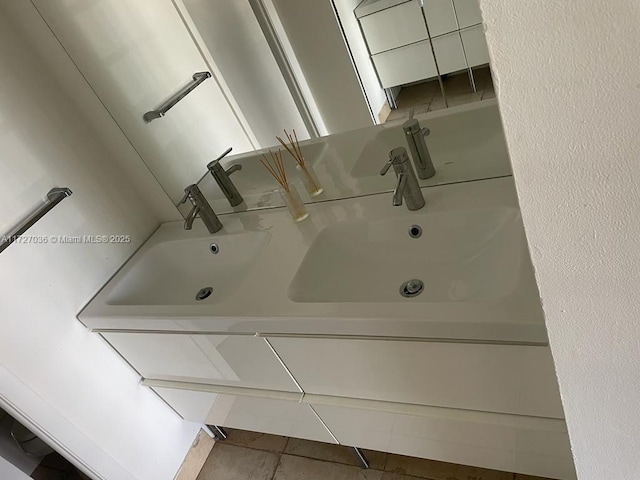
column 204, row 293
column 412, row 288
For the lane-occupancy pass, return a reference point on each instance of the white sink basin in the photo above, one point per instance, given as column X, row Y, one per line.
column 173, row 272
column 463, row 256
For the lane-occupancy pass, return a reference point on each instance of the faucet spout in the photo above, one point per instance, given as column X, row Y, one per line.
column 399, row 190
column 201, row 208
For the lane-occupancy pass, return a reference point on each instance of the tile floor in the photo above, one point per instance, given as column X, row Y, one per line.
column 255, row 456
column 426, row 96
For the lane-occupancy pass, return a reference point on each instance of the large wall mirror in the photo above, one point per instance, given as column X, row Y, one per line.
column 345, row 75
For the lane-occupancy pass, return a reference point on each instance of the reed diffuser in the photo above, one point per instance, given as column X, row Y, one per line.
column 288, row 192
column 307, row 174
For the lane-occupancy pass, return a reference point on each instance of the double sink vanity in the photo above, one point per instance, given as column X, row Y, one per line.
column 418, row 332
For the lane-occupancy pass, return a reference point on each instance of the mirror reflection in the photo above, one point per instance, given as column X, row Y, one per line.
column 353, row 79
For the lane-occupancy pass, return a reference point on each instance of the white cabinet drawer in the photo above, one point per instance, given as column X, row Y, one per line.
column 237, row 360
column 266, row 415
column 441, row 17
column 394, row 27
column 475, row 46
column 405, row 65
column 468, row 12
column 483, row 441
column 492, row 378
column 449, row 53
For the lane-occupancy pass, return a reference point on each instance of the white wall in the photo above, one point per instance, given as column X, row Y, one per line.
column 312, row 30
column 568, row 84
column 46, row 141
column 370, row 82
column 233, row 36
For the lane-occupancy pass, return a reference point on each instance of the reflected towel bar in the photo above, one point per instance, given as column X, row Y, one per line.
column 198, row 78
column 54, row 197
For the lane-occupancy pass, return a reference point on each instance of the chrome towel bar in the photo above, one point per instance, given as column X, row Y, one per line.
column 54, row 197
column 198, row 78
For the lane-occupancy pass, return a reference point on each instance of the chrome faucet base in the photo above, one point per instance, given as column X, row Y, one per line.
column 418, row 148
column 221, row 176
column 407, row 187
column 201, row 208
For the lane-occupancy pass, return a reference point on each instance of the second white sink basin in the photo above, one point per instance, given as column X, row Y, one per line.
column 461, row 256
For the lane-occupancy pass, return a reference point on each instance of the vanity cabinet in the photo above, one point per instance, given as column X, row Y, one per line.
column 400, row 44
column 394, row 27
column 275, row 416
column 499, row 442
column 235, row 360
column 475, row 45
column 490, row 378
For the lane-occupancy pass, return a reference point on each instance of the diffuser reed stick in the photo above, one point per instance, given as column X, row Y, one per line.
column 276, row 169
column 310, row 181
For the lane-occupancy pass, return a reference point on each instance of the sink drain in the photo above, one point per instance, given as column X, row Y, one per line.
column 412, row 288
column 214, row 248
column 415, row 231
column 204, row 293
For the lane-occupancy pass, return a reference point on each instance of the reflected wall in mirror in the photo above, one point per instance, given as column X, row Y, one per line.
column 344, row 74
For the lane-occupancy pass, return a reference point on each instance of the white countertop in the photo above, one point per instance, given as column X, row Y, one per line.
column 262, row 305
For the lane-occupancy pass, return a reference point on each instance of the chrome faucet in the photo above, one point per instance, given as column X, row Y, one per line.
column 221, row 177
column 200, row 208
column 407, row 186
column 418, row 147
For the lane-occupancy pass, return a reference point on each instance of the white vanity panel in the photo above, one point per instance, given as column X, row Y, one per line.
column 394, row 27
column 543, row 451
column 441, row 17
column 475, row 46
column 405, row 65
column 449, row 53
column 274, row 416
column 507, row 379
column 468, row 12
column 237, row 360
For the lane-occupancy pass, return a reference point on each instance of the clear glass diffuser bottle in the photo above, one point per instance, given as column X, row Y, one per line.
column 309, row 180
column 292, row 200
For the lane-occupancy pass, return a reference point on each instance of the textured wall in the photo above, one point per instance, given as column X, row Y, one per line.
column 568, row 83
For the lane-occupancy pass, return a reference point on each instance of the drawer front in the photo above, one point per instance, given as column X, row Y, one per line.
column 449, row 53
column 394, row 27
column 480, row 442
column 475, row 46
column 236, row 360
column 405, row 65
column 274, row 416
column 468, row 12
column 441, row 17
column 506, row 379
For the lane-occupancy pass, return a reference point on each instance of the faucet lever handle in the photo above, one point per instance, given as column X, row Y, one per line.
column 213, row 163
column 386, row 168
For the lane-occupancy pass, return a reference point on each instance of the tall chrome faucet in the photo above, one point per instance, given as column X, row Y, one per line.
column 221, row 177
column 407, row 186
column 418, row 147
column 201, row 208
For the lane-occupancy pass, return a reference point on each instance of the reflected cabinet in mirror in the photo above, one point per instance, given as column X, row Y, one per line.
column 353, row 79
